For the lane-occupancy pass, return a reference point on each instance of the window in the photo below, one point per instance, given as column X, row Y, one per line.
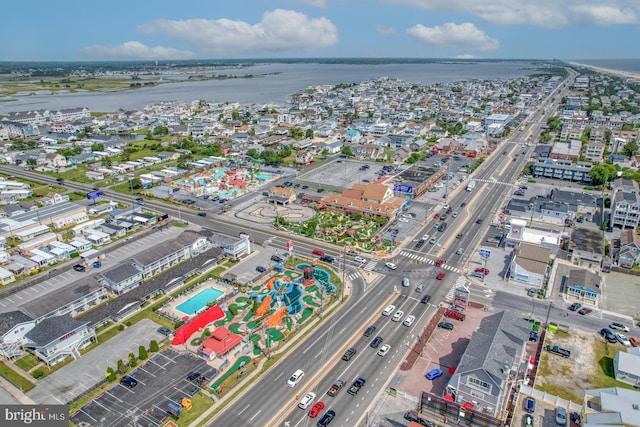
column 477, row 394
column 478, row 383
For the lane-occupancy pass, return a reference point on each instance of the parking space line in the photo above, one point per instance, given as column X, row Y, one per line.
column 112, row 395
column 88, row 415
column 147, row 371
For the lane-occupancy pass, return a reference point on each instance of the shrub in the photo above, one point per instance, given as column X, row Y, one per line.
column 38, row 373
column 121, row 368
column 142, row 353
column 233, row 309
column 111, row 375
column 121, row 327
column 128, row 323
column 132, row 360
column 153, row 346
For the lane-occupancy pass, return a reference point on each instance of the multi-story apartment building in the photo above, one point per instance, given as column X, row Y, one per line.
column 625, row 203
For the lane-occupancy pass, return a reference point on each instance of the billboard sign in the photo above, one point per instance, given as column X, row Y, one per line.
column 93, row 195
column 402, row 188
column 485, row 253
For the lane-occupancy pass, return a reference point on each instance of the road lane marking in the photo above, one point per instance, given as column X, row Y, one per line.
column 245, row 408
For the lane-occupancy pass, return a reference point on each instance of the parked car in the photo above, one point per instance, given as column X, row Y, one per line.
column 434, row 373
column 608, row 335
column 260, row 269
column 446, row 325
column 561, row 416
column 530, row 404
column 575, row 306
column 276, row 258
column 531, row 292
column 454, row 314
column 622, row 339
column 484, row 271
column 128, row 381
column 164, row 331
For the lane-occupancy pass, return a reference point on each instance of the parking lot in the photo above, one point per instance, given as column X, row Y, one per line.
column 161, row 380
column 340, row 174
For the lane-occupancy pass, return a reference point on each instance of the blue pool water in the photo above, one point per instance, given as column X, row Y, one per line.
column 199, row 300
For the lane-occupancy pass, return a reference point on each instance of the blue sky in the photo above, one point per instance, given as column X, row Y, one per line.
column 74, row 30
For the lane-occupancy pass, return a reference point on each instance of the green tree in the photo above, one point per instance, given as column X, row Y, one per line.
column 31, row 162
column 132, row 360
column 601, row 173
column 97, row 147
column 121, row 367
column 346, row 150
column 153, row 346
column 142, row 353
column 309, row 134
column 630, row 149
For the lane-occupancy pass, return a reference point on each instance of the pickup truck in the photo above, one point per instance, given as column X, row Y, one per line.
column 558, row 350
column 454, row 314
column 335, row 388
column 357, row 385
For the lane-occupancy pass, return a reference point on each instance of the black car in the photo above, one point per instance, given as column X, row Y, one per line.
column 420, row 244
column 327, row 258
column 608, row 335
column 376, row 342
column 164, row 331
column 276, row 258
column 446, row 325
column 79, row 267
column 129, row 381
column 260, row 269
column 425, row 299
column 320, row 190
column 459, row 236
column 463, row 204
column 193, row 376
column 479, row 221
column 202, row 214
column 575, row 306
column 369, row 331
column 326, row 418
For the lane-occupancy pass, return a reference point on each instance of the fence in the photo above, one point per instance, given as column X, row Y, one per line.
column 550, row 398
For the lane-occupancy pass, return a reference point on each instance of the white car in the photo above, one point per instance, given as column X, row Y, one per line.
column 409, row 320
column 295, row 378
column 384, row 350
column 306, row 400
column 359, row 259
column 403, row 220
column 387, row 311
column 425, row 237
column 619, row 327
column 455, row 214
column 391, row 265
column 622, row 339
column 396, row 317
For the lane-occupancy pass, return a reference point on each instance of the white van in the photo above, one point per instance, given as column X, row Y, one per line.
column 295, row 378
column 390, row 309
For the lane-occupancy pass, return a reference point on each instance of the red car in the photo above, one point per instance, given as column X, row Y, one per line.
column 440, row 275
column 436, row 216
column 584, row 311
column 439, row 262
column 454, row 314
column 316, row 409
column 482, row 270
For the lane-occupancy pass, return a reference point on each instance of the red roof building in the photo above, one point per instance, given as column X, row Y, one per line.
column 221, row 342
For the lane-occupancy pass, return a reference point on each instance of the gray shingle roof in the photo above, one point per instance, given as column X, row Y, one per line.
column 52, row 328
column 119, row 273
column 10, row 319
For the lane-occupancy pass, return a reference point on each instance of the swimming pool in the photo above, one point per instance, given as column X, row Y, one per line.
column 199, row 300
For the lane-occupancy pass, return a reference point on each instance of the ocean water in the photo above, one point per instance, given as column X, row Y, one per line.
column 630, row 65
column 280, row 82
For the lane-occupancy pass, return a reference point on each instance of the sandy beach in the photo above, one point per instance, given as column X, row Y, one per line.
column 624, row 74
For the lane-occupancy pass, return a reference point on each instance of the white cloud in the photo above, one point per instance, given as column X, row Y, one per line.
column 464, row 56
column 278, row 31
column 135, row 50
column 541, row 13
column 322, row 4
column 605, row 15
column 465, row 36
column 383, row 29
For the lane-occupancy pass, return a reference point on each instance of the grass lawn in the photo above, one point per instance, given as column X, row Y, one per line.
column 603, row 375
column 27, row 362
column 15, row 378
column 200, row 403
